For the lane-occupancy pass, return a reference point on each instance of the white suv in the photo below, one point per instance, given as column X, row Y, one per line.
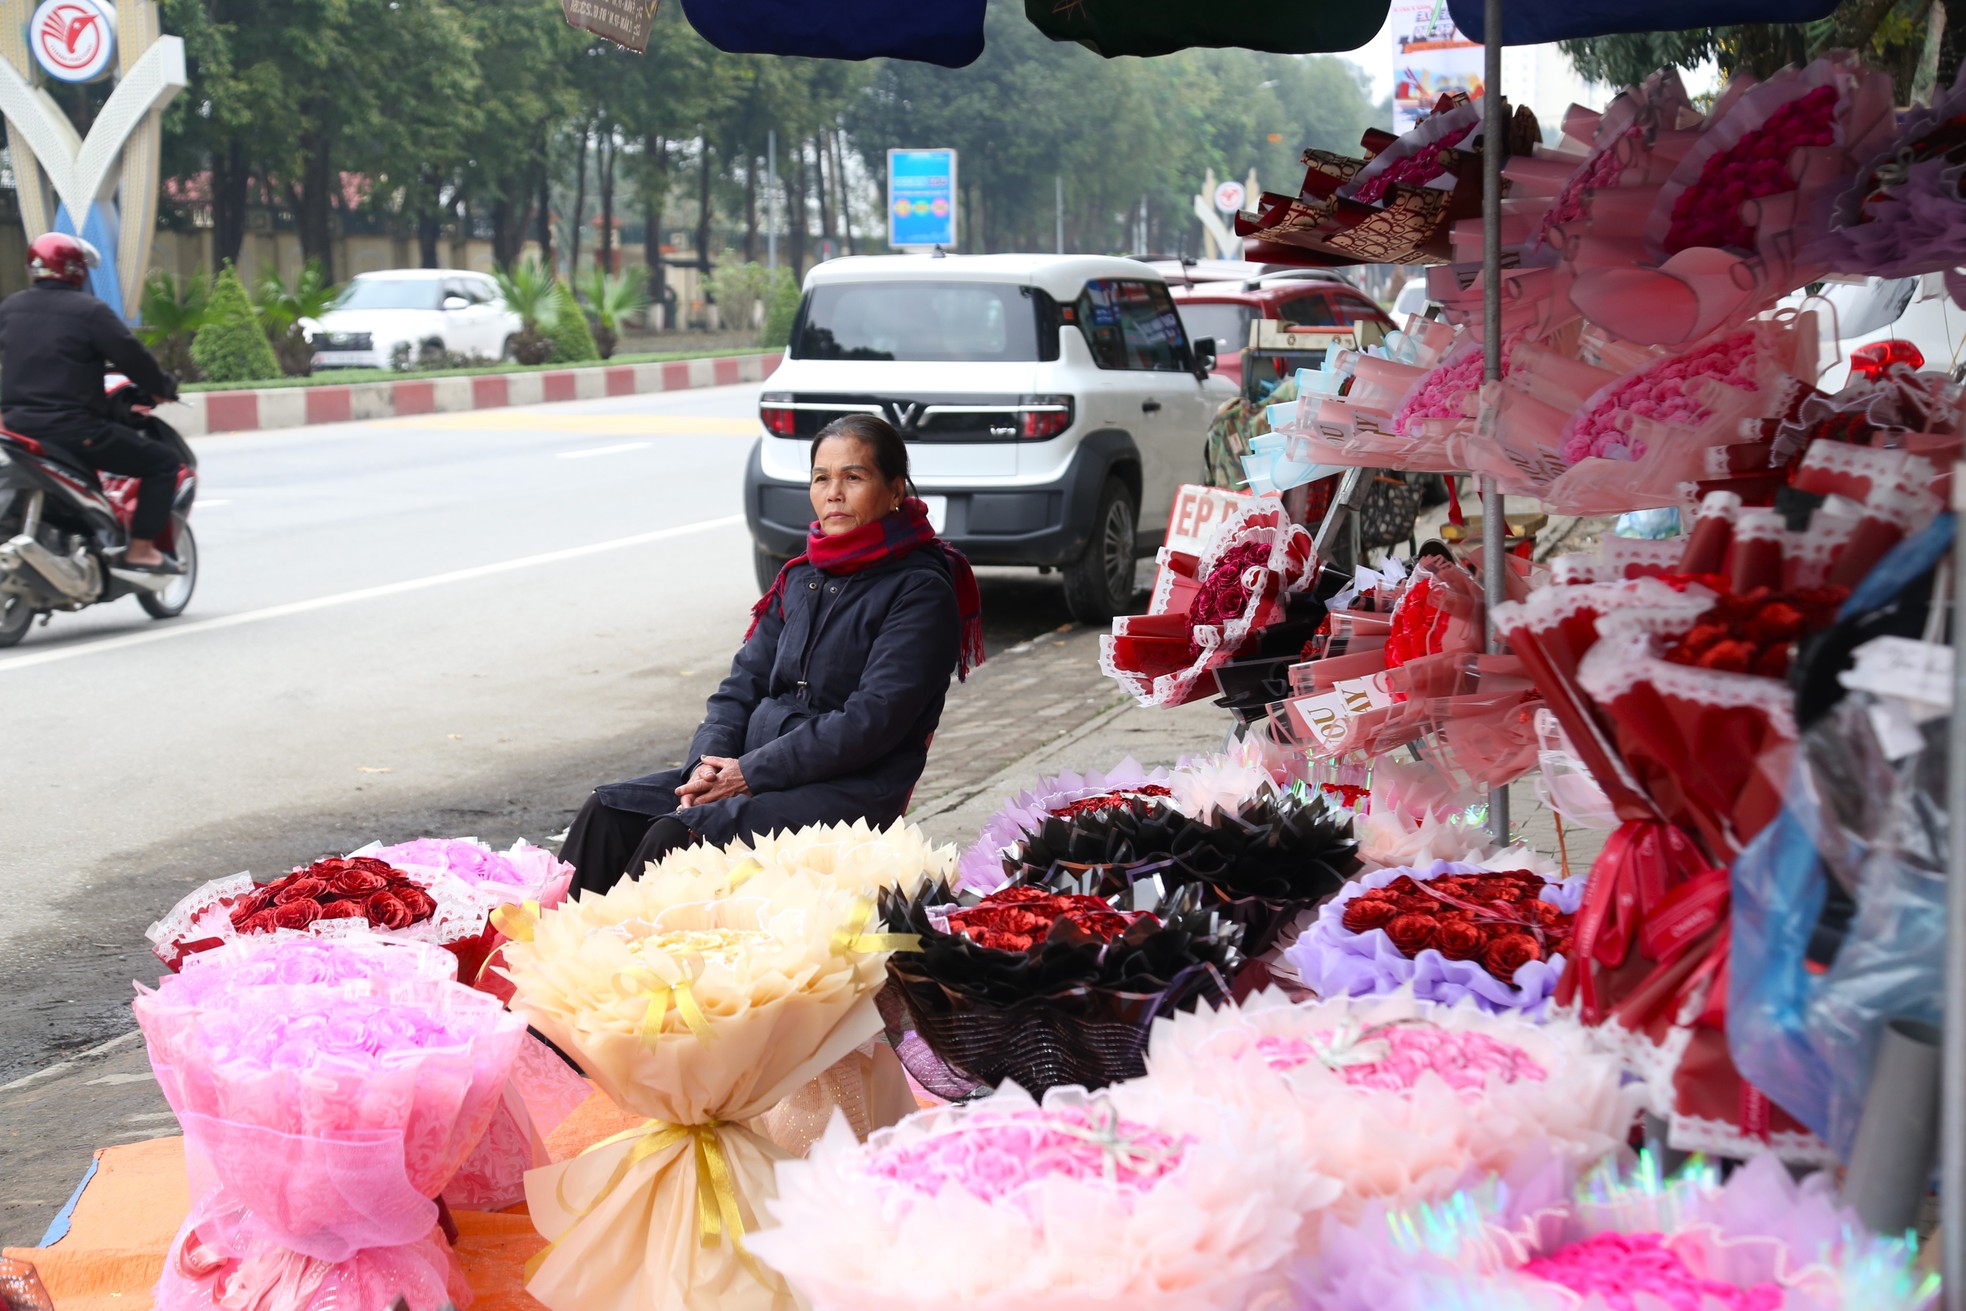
column 453, row 310
column 1051, row 404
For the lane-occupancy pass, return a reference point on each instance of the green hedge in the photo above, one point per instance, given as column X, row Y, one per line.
column 573, row 340
column 231, row 346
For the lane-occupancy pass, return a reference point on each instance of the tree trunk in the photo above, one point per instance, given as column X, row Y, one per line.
column 845, row 199
column 820, row 176
column 315, row 201
column 607, row 159
column 429, row 222
column 703, row 203
column 579, row 219
column 653, row 199
column 750, row 207
column 795, row 201
column 545, row 212
column 229, row 177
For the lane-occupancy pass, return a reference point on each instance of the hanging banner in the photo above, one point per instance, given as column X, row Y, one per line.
column 624, row 22
column 1434, row 60
column 921, row 199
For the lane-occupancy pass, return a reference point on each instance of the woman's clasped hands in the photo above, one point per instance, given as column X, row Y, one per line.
column 715, row 778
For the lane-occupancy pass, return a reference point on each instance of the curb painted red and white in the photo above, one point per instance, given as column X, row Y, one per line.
column 204, row 413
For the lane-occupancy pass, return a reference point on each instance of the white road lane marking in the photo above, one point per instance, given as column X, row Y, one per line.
column 619, row 449
column 126, row 640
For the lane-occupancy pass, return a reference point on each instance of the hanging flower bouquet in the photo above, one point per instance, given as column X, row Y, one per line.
column 1045, row 986
column 1399, row 1100
column 1205, row 608
column 1448, row 931
column 1718, row 240
column 701, row 1010
column 1900, row 217
column 1760, row 1242
column 328, row 1091
column 1395, row 208
column 1064, row 1205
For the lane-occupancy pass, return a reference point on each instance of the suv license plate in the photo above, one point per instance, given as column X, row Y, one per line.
column 938, row 511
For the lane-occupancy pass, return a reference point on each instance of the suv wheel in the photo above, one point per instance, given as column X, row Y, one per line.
column 767, row 566
column 1099, row 584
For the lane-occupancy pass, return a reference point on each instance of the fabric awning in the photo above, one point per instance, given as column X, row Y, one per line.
column 1158, row 27
column 945, row 32
column 1531, row 22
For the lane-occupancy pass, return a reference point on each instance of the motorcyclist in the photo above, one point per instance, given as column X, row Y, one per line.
column 56, row 342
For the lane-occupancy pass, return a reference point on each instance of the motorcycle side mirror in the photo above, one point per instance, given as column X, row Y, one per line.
column 456, row 303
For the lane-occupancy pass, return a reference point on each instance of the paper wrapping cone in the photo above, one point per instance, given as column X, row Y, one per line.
column 626, row 1218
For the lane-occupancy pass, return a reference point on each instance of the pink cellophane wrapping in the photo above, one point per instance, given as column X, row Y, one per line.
column 465, row 878
column 1006, row 1205
column 320, row 1120
column 1159, row 658
column 1791, row 1244
column 1354, row 1089
column 1637, row 273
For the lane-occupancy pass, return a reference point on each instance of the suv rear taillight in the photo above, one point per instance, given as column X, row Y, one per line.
column 775, row 410
column 1040, row 418
column 1871, row 361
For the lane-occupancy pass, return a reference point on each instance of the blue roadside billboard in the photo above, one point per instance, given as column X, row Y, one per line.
column 921, row 198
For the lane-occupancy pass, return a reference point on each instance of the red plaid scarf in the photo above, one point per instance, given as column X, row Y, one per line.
column 888, row 538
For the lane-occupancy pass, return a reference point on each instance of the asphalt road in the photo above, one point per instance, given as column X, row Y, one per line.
column 449, row 625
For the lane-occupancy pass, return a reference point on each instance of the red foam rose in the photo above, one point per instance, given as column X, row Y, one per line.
column 1508, row 953
column 260, row 923
column 342, row 910
column 1461, row 940
column 422, row 905
column 1413, row 934
column 1363, row 914
column 357, row 882
column 304, row 889
column 295, row 914
column 385, row 910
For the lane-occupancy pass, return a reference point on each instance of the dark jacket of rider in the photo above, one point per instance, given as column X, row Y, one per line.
column 54, row 340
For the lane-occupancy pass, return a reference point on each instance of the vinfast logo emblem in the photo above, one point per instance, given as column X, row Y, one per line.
column 72, row 40
column 905, row 413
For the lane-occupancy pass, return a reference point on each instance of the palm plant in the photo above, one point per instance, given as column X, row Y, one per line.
column 285, row 312
column 612, row 299
column 172, row 310
column 530, row 290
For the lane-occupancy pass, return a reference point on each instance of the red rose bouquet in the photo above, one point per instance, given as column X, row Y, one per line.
column 358, row 892
column 1449, row 931
column 1206, row 608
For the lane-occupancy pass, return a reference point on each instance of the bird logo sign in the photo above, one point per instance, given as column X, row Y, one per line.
column 73, row 40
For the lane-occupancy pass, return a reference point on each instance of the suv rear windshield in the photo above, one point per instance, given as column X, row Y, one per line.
column 926, row 321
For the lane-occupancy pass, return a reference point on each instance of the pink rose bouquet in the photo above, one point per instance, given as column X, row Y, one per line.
column 321, row 1119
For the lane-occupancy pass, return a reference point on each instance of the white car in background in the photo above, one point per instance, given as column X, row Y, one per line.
column 454, row 310
column 1865, row 326
column 1412, row 300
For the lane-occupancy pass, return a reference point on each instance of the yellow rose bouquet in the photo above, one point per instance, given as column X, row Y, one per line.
column 700, row 1007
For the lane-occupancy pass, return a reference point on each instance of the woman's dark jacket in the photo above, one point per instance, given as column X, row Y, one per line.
column 828, row 708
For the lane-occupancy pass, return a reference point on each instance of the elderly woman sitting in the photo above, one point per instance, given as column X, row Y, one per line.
column 829, row 707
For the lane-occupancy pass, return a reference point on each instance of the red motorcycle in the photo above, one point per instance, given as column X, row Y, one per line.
column 64, row 527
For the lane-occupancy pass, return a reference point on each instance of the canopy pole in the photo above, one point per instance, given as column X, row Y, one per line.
column 1494, row 526
column 1952, row 1113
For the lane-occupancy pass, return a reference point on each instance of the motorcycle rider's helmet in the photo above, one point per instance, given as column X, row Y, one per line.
column 61, row 258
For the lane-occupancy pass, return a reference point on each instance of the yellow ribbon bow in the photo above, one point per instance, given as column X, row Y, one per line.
column 853, row 938
column 660, row 996
column 517, row 922
column 717, row 1211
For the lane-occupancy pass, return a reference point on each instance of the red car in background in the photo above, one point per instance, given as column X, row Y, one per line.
column 1225, row 310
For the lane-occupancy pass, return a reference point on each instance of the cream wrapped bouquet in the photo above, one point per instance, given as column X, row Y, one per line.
column 699, row 1008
